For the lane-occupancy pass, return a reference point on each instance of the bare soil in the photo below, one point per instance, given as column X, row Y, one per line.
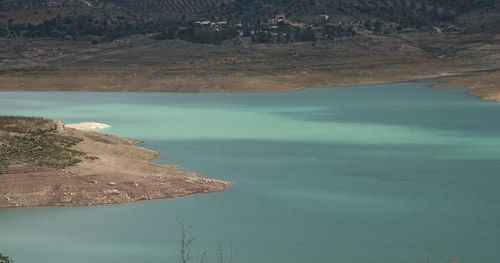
column 486, row 86
column 141, row 64
column 114, row 170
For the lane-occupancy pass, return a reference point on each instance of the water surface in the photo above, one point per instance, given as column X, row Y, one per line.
column 375, row 173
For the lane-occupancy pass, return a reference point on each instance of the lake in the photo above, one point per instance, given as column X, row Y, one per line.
column 373, row 173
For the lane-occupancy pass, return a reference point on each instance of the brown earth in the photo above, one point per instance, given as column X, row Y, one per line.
column 487, row 86
column 114, row 170
column 142, row 64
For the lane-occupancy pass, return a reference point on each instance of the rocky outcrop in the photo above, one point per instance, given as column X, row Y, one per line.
column 88, row 126
column 59, row 126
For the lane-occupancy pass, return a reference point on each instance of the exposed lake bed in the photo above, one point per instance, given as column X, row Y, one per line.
column 376, row 173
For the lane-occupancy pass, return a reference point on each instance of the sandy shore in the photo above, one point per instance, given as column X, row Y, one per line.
column 114, row 170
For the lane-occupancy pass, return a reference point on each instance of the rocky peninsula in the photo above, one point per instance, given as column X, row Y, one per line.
column 44, row 163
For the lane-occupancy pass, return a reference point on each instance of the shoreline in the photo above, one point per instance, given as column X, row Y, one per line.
column 483, row 86
column 114, row 170
column 179, row 66
column 484, row 82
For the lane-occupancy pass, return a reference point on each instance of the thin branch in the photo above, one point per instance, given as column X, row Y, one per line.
column 429, row 254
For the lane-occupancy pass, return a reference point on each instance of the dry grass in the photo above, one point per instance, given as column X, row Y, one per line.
column 27, row 141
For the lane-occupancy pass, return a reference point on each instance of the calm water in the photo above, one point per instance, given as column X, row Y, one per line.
column 376, row 173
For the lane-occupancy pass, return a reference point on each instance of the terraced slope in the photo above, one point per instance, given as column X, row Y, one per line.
column 170, row 6
column 33, row 16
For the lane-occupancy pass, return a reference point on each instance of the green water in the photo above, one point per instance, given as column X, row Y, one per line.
column 376, row 173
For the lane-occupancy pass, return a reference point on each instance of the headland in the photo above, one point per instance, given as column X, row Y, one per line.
column 45, row 164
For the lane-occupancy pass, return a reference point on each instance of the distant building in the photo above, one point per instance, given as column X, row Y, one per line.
column 279, row 18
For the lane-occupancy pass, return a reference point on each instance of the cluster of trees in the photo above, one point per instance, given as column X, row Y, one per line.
column 198, row 33
column 63, row 27
column 85, row 25
column 259, row 32
column 406, row 13
column 286, row 33
column 76, row 27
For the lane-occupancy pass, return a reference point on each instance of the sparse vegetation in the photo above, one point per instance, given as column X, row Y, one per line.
column 187, row 254
column 30, row 142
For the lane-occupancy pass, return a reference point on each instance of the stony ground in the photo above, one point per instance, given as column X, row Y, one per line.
column 142, row 64
column 110, row 169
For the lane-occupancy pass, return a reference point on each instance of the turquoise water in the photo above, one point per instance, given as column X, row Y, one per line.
column 376, row 173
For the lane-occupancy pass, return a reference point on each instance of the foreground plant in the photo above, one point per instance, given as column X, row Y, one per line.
column 186, row 253
column 5, row 259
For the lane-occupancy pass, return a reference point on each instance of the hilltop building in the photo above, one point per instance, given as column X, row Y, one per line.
column 279, row 18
